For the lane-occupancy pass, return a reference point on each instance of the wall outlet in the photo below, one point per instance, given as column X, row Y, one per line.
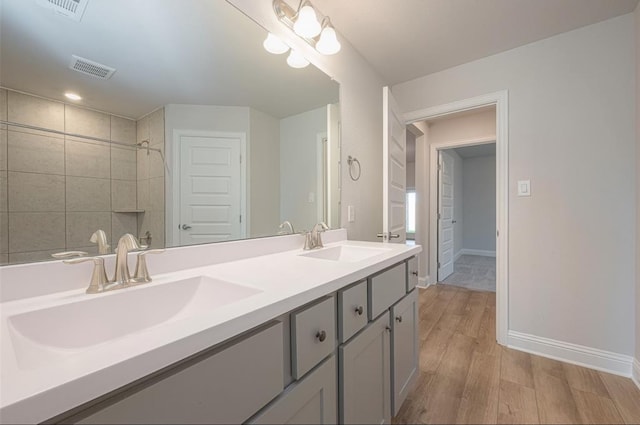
column 351, row 213
column 524, row 187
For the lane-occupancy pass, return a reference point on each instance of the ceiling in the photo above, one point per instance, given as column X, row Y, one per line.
column 406, row 39
column 488, row 149
column 164, row 51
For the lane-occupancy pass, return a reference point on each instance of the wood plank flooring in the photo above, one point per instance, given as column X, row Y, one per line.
column 466, row 377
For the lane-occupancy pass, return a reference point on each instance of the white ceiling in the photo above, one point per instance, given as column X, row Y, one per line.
column 406, row 39
column 165, row 51
column 488, row 149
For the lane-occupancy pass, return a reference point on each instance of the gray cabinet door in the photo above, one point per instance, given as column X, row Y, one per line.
column 313, row 400
column 404, row 340
column 365, row 375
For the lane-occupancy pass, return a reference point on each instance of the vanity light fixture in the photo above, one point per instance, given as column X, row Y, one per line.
column 304, row 21
column 72, row 96
column 296, row 60
column 273, row 44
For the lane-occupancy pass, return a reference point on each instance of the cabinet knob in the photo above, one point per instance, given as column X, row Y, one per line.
column 399, row 319
column 359, row 310
column 415, row 273
column 388, row 329
column 322, row 335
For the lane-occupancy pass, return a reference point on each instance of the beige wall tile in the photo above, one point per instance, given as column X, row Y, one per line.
column 156, row 194
column 156, row 165
column 81, row 225
column 142, row 164
column 123, row 130
column 4, row 259
column 3, row 150
column 36, row 231
column 143, row 194
column 32, row 256
column 123, row 163
column 87, row 122
column 35, row 153
column 123, row 223
column 142, row 129
column 123, row 194
column 25, row 109
column 88, row 194
column 156, row 128
column 4, row 232
column 87, row 159
column 30, row 192
column 153, row 222
column 3, row 106
column 3, row 192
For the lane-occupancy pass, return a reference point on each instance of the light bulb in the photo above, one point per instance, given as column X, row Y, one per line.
column 296, row 60
column 328, row 43
column 307, row 24
column 72, row 96
column 273, row 44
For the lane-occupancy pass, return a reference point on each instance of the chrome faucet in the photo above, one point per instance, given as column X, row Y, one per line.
column 127, row 243
column 313, row 239
column 286, row 228
column 100, row 237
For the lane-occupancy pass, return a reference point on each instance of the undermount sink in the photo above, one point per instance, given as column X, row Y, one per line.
column 69, row 328
column 345, row 253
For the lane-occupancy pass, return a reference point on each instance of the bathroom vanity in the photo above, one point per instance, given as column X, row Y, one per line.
column 293, row 336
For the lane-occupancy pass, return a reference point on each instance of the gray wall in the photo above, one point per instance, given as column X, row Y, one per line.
column 637, row 333
column 479, row 200
column 571, row 107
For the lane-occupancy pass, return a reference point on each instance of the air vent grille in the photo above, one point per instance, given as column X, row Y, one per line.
column 89, row 67
column 73, row 9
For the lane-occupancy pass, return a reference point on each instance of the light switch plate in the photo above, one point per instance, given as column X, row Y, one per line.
column 524, row 187
column 351, row 213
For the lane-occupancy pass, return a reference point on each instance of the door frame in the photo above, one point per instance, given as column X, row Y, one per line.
column 501, row 101
column 173, row 231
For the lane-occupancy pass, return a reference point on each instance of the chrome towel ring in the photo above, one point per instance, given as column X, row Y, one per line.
column 351, row 160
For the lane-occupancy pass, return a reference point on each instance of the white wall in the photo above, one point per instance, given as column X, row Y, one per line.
column 361, row 109
column 299, row 167
column 571, row 131
column 637, row 333
column 264, row 173
column 479, row 200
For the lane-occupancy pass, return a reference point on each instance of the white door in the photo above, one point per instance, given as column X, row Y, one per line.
column 445, row 215
column 210, row 189
column 394, row 171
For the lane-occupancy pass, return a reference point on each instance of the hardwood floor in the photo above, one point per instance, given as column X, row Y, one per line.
column 466, row 377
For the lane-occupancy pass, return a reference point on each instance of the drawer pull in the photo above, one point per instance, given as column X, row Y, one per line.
column 415, row 273
column 399, row 319
column 359, row 310
column 387, row 328
column 322, row 335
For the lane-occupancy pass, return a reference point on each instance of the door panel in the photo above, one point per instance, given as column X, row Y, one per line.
column 445, row 213
column 394, row 171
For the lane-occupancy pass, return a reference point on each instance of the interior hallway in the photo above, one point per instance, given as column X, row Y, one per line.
column 466, row 377
column 474, row 272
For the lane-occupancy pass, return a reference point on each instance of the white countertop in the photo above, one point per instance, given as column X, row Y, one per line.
column 287, row 280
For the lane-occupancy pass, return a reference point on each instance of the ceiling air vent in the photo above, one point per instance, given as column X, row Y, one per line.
column 73, row 9
column 92, row 68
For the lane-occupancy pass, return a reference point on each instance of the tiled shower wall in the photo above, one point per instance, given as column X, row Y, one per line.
column 151, row 172
column 55, row 190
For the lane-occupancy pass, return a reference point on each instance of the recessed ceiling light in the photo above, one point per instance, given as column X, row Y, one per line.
column 72, row 96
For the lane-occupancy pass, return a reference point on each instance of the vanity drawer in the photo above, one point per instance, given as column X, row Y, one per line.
column 352, row 310
column 412, row 273
column 313, row 335
column 386, row 288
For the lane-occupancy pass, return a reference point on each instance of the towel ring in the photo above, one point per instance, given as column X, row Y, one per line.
column 351, row 160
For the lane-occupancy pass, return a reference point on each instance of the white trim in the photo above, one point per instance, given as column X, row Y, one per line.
column 173, row 232
column 593, row 358
column 423, row 282
column 481, row 252
column 501, row 138
column 457, row 256
column 635, row 373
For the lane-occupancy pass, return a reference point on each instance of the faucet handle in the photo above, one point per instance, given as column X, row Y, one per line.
column 142, row 272
column 308, row 240
column 69, row 254
column 99, row 276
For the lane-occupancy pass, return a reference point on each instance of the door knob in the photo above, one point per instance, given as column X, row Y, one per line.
column 186, row 227
column 393, row 236
column 453, row 221
column 415, row 273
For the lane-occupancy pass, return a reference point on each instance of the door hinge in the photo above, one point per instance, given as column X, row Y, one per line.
column 498, row 233
column 240, row 218
column 439, row 216
column 439, row 166
column 240, row 159
column 438, row 265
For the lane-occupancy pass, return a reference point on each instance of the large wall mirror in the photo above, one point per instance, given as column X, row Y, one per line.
column 187, row 130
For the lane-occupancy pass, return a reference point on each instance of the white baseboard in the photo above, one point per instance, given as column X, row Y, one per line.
column 457, row 256
column 635, row 374
column 593, row 358
column 482, row 252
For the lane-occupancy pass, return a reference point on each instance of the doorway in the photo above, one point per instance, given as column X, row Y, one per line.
column 467, row 216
